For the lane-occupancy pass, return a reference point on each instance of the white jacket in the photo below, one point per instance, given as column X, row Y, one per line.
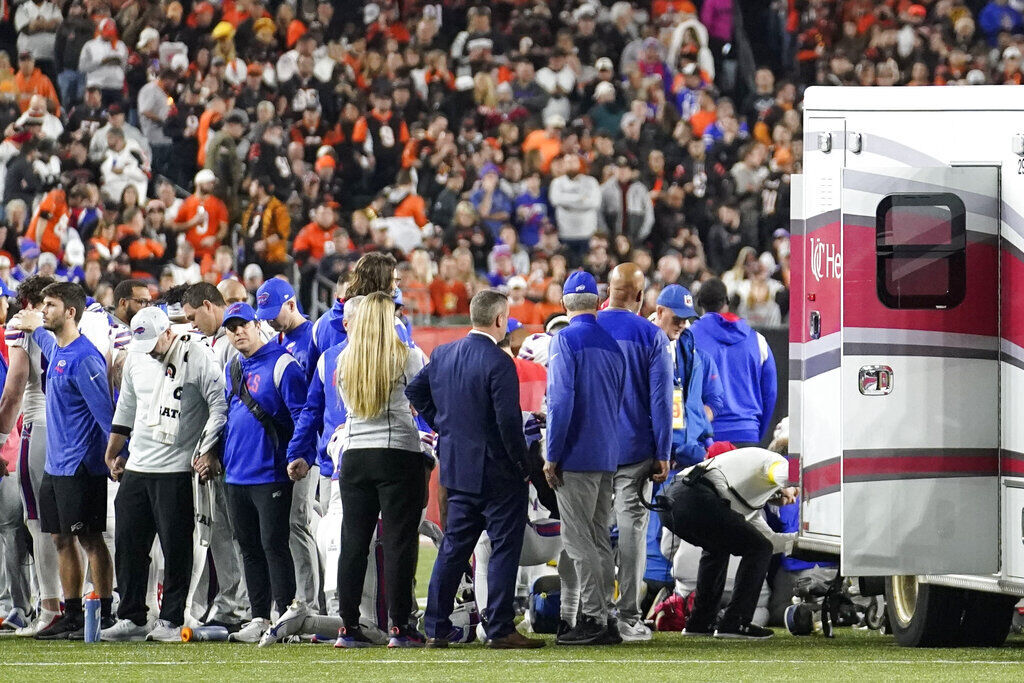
column 106, row 76
column 129, row 160
column 577, row 203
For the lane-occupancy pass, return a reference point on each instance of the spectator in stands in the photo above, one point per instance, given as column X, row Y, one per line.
column 266, row 227
column 576, row 198
column 203, row 217
column 31, row 80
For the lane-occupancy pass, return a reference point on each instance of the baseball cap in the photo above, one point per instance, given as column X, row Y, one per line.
column 147, row 326
column 239, row 311
column 205, row 176
column 29, row 249
column 513, row 325
column 679, row 300
column 271, row 296
column 556, row 323
column 517, row 282
column 580, row 282
column 74, row 253
column 604, row 64
column 555, row 121
column 1011, row 52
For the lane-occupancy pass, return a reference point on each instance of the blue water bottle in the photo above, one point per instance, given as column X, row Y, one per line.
column 91, row 606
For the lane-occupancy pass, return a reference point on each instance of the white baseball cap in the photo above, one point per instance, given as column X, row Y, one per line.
column 147, row 325
column 517, row 282
column 205, row 176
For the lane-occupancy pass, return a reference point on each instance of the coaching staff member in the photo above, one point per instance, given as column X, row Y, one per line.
column 586, row 377
column 172, row 395
column 469, row 388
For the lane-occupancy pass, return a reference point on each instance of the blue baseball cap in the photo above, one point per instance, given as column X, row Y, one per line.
column 240, row 311
column 513, row 325
column 29, row 249
column 271, row 296
column 679, row 300
column 580, row 282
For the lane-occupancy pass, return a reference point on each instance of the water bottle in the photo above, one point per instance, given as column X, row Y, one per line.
column 211, row 633
column 91, row 606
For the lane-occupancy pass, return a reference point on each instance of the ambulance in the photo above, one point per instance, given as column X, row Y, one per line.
column 907, row 351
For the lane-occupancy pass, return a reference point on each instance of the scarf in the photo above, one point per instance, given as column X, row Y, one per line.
column 165, row 408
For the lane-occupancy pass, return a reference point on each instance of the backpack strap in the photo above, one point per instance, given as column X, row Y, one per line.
column 239, row 389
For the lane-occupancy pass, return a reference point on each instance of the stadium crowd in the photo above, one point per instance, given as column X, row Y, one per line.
column 240, row 163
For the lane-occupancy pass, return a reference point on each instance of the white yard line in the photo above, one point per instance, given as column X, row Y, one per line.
column 422, row 662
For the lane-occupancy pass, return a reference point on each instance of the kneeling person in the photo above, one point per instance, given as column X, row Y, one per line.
column 172, row 405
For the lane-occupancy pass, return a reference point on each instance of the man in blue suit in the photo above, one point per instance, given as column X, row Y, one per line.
column 469, row 395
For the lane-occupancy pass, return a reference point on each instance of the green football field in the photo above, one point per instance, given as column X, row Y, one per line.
column 853, row 654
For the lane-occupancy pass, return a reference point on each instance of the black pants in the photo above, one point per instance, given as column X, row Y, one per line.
column 260, row 514
column 148, row 506
column 390, row 483
column 701, row 517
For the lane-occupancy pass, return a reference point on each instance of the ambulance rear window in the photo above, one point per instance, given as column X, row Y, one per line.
column 921, row 250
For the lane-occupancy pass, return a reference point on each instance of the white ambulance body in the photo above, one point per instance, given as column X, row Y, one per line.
column 907, row 350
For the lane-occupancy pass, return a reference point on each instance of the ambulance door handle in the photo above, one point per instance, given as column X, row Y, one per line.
column 875, row 380
column 814, row 325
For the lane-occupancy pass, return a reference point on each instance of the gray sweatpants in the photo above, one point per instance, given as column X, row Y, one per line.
column 15, row 568
column 585, row 506
column 631, row 517
column 302, row 543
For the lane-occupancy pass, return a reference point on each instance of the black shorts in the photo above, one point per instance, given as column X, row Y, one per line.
column 73, row 505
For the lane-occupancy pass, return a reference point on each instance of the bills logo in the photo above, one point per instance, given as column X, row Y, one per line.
column 139, row 331
column 263, row 299
column 826, row 261
column 61, row 366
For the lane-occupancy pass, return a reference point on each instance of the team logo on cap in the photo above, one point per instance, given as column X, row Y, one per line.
column 263, row 299
column 580, row 288
column 234, row 308
column 688, row 300
column 138, row 331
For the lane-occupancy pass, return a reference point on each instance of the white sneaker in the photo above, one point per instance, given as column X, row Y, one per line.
column 251, row 632
column 164, row 632
column 124, row 630
column 288, row 624
column 634, row 632
column 45, row 619
column 14, row 620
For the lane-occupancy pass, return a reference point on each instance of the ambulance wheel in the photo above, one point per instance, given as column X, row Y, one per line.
column 987, row 619
column 799, row 620
column 922, row 614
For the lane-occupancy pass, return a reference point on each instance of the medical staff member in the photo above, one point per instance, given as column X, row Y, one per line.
column 265, row 391
column 586, row 377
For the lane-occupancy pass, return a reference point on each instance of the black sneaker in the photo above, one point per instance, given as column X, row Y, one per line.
column 744, row 632
column 563, row 628
column 586, row 632
column 611, row 634
column 231, row 626
column 698, row 630
column 62, row 628
column 105, row 622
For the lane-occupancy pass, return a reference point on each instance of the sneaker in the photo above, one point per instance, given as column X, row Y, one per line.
column 288, row 624
column 79, row 635
column 611, row 633
column 634, row 631
column 744, row 632
column 164, row 632
column 43, row 620
column 406, row 637
column 251, row 631
column 62, row 628
column 231, row 626
column 563, row 628
column 124, row 630
column 586, row 632
column 696, row 630
column 14, row 620
column 351, row 638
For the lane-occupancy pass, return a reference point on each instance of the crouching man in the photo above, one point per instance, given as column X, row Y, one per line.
column 718, row 506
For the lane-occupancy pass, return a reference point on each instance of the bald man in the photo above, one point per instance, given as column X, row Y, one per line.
column 644, row 433
column 233, row 291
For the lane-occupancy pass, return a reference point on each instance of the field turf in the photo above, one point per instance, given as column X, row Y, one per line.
column 853, row 654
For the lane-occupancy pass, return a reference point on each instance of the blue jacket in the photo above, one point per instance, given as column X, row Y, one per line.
column 697, row 374
column 321, row 414
column 586, row 377
column 469, row 395
column 747, row 368
column 645, row 418
column 299, row 343
column 79, row 409
column 328, row 329
column 278, row 385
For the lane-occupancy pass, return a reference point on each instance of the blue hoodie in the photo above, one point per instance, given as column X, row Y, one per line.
column 747, row 368
column 79, row 409
column 299, row 343
column 586, row 374
column 645, row 418
column 328, row 330
column 322, row 413
column 278, row 385
column 696, row 373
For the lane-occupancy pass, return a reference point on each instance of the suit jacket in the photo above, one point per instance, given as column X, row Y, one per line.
column 469, row 394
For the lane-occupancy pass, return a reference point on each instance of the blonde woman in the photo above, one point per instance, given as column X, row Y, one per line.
column 382, row 470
